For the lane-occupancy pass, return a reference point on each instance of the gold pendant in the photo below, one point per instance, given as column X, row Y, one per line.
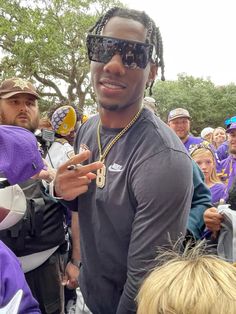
column 101, row 177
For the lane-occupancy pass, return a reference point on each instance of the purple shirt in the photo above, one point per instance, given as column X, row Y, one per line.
column 222, row 150
column 12, row 279
column 217, row 192
column 228, row 171
column 192, row 140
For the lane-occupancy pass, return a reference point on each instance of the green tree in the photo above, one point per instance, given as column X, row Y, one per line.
column 209, row 105
column 45, row 42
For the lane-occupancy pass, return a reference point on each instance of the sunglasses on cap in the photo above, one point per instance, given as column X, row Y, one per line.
column 230, row 120
column 204, row 144
column 134, row 54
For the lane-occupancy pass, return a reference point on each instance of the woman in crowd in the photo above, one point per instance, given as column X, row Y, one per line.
column 205, row 158
column 219, row 136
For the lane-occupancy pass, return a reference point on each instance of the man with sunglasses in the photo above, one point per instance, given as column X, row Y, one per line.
column 142, row 195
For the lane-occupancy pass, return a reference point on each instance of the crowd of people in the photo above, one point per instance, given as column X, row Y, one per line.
column 103, row 199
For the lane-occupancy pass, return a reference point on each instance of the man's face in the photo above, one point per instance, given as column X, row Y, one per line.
column 20, row 110
column 232, row 142
column 116, row 86
column 181, row 126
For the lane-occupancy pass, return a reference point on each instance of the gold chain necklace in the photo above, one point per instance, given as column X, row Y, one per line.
column 101, row 173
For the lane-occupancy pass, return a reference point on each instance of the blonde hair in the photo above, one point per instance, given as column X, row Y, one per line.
column 218, row 128
column 192, row 283
column 202, row 151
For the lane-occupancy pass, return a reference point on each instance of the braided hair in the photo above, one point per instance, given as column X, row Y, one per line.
column 153, row 33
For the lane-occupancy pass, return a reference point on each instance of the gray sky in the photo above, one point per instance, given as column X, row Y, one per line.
column 199, row 36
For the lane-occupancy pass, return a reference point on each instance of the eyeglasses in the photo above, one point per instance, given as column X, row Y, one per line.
column 134, row 54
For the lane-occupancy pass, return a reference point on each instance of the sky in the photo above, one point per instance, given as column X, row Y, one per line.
column 199, row 36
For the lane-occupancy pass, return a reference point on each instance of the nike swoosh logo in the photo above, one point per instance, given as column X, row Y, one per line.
column 115, row 168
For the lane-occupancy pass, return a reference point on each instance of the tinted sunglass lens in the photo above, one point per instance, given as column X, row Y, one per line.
column 102, row 49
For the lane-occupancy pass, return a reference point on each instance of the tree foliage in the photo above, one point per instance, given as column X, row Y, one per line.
column 44, row 40
column 209, row 105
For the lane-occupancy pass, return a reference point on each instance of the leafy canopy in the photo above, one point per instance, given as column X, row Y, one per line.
column 45, row 41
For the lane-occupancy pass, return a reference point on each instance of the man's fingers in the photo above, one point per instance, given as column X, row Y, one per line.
column 72, row 178
column 73, row 165
column 91, row 176
column 77, row 159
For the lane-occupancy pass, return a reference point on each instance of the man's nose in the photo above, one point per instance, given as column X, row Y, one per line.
column 115, row 65
column 23, row 106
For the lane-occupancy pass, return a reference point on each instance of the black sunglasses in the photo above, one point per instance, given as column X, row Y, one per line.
column 134, row 54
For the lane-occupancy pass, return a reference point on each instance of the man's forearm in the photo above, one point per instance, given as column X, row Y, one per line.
column 75, row 236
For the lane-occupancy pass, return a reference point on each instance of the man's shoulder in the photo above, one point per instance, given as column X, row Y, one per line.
column 159, row 133
column 152, row 137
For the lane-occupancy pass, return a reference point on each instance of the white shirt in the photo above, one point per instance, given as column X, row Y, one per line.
column 59, row 153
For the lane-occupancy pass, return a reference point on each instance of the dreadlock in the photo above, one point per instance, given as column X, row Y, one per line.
column 153, row 32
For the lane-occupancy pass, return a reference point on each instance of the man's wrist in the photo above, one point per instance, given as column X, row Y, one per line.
column 52, row 191
column 76, row 262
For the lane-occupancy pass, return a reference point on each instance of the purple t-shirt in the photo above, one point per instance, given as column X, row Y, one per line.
column 12, row 279
column 217, row 192
column 191, row 141
column 222, row 150
column 228, row 171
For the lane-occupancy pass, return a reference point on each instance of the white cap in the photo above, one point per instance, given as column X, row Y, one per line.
column 206, row 131
column 12, row 205
column 149, row 100
column 150, row 103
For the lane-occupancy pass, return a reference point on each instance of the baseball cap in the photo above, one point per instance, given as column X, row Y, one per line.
column 178, row 113
column 206, row 131
column 64, row 120
column 231, row 128
column 19, row 156
column 16, row 85
column 149, row 100
column 12, row 205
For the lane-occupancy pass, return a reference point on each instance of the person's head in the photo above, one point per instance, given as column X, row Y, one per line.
column 18, row 104
column 206, row 134
column 231, row 131
column 179, row 122
column 150, row 103
column 191, row 283
column 125, row 50
column 63, row 122
column 218, row 136
column 205, row 158
column 45, row 123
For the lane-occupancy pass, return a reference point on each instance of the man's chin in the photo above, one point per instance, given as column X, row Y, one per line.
column 25, row 125
column 110, row 107
column 115, row 107
column 183, row 137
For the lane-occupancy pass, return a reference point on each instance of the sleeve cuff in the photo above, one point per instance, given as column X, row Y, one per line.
column 51, row 191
